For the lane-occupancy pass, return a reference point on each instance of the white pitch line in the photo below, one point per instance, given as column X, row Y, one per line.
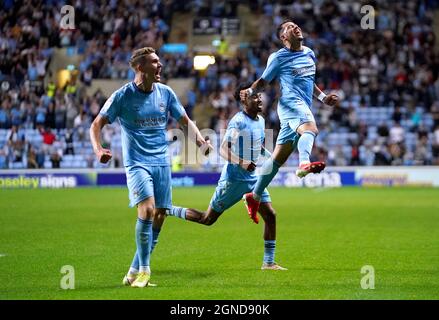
column 2, row 255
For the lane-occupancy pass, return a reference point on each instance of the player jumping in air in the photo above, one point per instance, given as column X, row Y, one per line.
column 241, row 147
column 294, row 66
column 142, row 108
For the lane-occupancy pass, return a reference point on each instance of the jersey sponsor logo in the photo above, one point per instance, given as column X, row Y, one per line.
column 305, row 70
column 151, row 121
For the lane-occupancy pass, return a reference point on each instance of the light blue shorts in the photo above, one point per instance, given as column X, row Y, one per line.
column 229, row 192
column 287, row 134
column 145, row 182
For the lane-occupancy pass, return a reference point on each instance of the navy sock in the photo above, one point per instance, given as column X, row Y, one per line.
column 178, row 212
column 269, row 249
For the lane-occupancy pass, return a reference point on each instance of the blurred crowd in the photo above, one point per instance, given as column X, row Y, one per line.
column 394, row 66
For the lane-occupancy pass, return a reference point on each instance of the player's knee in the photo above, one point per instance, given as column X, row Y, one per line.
column 313, row 129
column 310, row 127
column 146, row 211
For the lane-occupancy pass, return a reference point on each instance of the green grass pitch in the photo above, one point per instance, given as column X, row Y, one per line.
column 324, row 237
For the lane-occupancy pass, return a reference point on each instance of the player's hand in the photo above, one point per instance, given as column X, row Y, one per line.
column 104, row 155
column 243, row 94
column 250, row 166
column 331, row 99
column 206, row 146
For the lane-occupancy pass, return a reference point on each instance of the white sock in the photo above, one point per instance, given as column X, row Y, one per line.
column 133, row 271
column 145, row 269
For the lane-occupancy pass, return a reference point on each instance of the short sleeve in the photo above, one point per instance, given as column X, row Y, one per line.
column 233, row 130
column 272, row 69
column 175, row 108
column 111, row 108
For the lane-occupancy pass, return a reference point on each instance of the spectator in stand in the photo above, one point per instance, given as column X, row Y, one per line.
column 4, row 118
column 81, row 124
column 3, row 158
column 16, row 144
column 435, row 147
column 48, row 139
column 56, row 159
column 31, row 158
column 396, row 133
column 40, row 157
column 69, row 142
column 50, row 116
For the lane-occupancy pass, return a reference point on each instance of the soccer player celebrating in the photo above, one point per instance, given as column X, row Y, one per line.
column 241, row 147
column 142, row 108
column 294, row 66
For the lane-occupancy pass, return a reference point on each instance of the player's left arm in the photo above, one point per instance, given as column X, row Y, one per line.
column 269, row 74
column 178, row 113
column 194, row 133
column 330, row 99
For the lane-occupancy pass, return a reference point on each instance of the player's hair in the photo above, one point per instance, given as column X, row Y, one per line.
column 281, row 26
column 139, row 54
column 242, row 86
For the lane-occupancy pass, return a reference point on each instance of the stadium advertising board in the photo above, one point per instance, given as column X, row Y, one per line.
column 47, row 180
column 180, row 179
column 397, row 176
column 333, row 177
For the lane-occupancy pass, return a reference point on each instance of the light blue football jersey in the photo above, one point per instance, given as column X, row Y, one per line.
column 295, row 71
column 247, row 136
column 143, row 117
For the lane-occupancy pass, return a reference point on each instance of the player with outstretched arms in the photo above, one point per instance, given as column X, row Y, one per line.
column 294, row 66
column 142, row 107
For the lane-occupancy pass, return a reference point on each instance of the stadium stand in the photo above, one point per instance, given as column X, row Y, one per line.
column 387, row 77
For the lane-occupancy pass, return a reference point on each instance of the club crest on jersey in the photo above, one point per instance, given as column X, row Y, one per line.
column 137, row 108
column 162, row 107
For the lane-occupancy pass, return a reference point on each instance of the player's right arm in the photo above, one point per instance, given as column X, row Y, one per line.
column 108, row 113
column 227, row 153
column 269, row 74
column 103, row 155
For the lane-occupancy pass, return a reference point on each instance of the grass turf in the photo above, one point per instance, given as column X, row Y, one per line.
column 324, row 237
